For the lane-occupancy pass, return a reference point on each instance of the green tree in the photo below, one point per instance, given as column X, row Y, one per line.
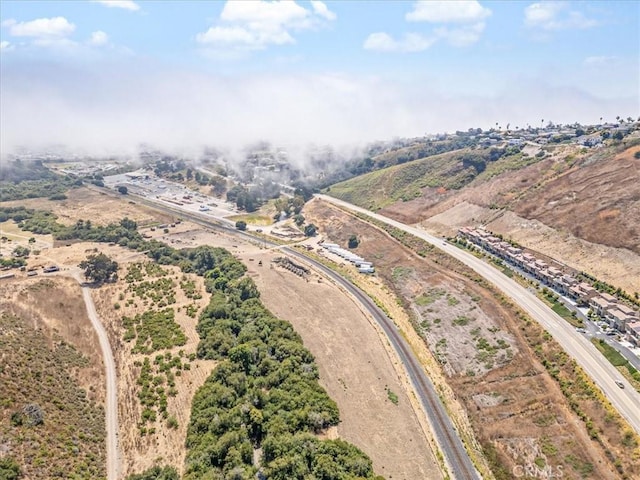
column 126, row 223
column 310, row 230
column 21, row 252
column 218, row 185
column 299, row 219
column 241, row 225
column 123, row 190
column 99, row 268
column 353, row 241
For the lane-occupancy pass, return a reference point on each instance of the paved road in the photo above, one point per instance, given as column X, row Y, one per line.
column 626, row 401
column 111, row 405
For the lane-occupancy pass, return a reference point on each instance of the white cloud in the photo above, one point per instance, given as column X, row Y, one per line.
column 555, row 15
column 321, row 9
column 244, row 38
column 98, row 39
column 446, row 11
column 410, row 42
column 40, row 27
column 255, row 24
column 599, row 61
column 462, row 36
column 467, row 17
column 124, row 4
column 6, row 46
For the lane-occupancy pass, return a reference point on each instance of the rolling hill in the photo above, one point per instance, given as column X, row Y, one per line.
column 583, row 197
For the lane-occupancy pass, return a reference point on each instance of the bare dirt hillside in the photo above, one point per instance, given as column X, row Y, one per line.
column 583, row 210
column 598, row 202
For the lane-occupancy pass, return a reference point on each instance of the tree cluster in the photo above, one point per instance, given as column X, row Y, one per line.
column 244, row 198
column 99, row 268
column 264, row 393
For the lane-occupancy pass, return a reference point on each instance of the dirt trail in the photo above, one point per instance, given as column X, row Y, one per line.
column 111, row 405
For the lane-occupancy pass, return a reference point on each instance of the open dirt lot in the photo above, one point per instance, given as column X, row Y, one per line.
column 88, row 204
column 516, row 409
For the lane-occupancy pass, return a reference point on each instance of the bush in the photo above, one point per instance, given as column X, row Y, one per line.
column 241, row 225
column 123, row 190
column 353, row 241
column 9, row 469
column 310, row 230
column 58, row 196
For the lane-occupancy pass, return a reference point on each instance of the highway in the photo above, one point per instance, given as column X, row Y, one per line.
column 456, row 457
column 626, row 401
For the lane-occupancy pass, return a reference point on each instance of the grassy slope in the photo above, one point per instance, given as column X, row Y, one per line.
column 405, row 182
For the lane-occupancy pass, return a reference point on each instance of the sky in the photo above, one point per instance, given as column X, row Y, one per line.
column 105, row 76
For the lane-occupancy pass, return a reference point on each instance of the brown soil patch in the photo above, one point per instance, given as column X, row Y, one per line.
column 582, row 212
column 532, row 415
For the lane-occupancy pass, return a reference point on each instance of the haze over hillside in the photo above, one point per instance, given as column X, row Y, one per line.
column 101, row 81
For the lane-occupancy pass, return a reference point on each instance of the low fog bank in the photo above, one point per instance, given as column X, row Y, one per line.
column 116, row 110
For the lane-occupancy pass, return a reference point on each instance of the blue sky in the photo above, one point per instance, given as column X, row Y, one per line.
column 112, row 74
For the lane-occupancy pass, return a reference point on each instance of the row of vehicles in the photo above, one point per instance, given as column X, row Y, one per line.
column 361, row 264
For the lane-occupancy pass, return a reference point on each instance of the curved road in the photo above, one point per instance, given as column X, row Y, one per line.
column 626, row 401
column 111, row 404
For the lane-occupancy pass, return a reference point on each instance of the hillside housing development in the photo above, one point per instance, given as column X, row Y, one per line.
column 607, row 307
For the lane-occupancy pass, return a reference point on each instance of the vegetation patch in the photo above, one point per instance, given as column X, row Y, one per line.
column 46, row 419
column 21, row 180
column 617, row 360
column 428, row 297
column 157, row 382
column 153, row 331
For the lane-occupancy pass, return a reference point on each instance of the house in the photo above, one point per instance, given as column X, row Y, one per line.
column 628, row 311
column 633, row 332
column 617, row 319
column 599, row 305
column 587, row 292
